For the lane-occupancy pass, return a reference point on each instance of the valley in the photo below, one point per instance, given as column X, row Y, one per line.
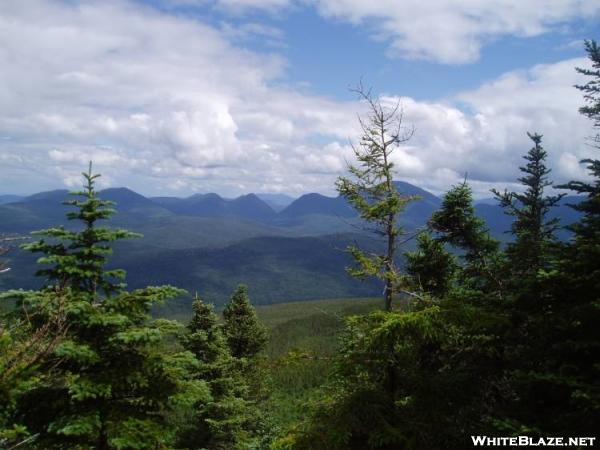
column 207, row 244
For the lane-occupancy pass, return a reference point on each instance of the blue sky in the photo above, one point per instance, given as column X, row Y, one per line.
column 173, row 97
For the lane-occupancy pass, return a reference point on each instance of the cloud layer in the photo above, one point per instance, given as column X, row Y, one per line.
column 446, row 31
column 164, row 103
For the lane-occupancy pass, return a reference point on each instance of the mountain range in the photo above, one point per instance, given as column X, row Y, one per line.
column 285, row 249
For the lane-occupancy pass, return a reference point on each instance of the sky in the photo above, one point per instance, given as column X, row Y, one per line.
column 175, row 97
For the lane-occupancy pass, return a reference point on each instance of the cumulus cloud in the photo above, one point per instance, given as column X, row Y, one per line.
column 446, row 31
column 164, row 103
column 453, row 31
column 172, row 97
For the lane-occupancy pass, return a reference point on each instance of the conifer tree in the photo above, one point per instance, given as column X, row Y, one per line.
column 245, row 335
column 533, row 231
column 223, row 421
column 26, row 342
column 76, row 258
column 246, row 338
column 372, row 192
column 107, row 384
column 457, row 224
column 571, row 375
column 431, row 266
column 555, row 370
column 591, row 90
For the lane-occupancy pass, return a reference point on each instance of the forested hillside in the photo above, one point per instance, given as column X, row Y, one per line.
column 205, row 240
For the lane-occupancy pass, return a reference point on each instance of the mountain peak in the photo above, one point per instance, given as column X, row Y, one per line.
column 314, row 203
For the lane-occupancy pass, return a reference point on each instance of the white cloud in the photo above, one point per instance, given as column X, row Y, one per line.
column 487, row 144
column 453, row 31
column 165, row 103
column 446, row 31
column 172, row 97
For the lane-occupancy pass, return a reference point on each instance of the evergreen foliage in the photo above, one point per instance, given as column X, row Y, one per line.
column 591, row 90
column 459, row 226
column 245, row 335
column 224, row 421
column 569, row 379
column 106, row 384
column 25, row 343
column 507, row 344
column 402, row 380
column 431, row 266
column 246, row 338
column 456, row 224
column 77, row 258
column 371, row 191
column 533, row 232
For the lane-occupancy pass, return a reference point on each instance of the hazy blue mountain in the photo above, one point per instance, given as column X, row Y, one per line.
column 56, row 195
column 486, row 201
column 212, row 205
column 251, row 207
column 311, row 210
column 128, row 200
column 497, row 221
column 317, row 204
column 207, row 243
column 417, row 212
column 276, row 201
column 36, row 211
column 9, row 198
column 309, row 215
column 500, row 223
column 410, row 189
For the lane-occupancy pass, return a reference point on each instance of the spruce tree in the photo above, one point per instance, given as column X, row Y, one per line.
column 76, row 258
column 591, row 90
column 532, row 229
column 246, row 338
column 529, row 258
column 571, row 375
column 27, row 341
column 431, row 266
column 456, row 224
column 372, row 192
column 555, row 362
column 223, row 421
column 428, row 377
column 245, row 335
column 108, row 383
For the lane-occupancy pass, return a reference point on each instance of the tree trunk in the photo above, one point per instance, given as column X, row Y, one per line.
column 389, row 265
column 102, row 443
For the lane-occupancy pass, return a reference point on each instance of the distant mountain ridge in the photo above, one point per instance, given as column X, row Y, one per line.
column 9, row 198
column 310, row 214
column 207, row 243
column 247, row 206
column 276, row 201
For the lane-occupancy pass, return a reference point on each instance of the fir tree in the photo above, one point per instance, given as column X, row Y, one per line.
column 431, row 266
column 27, row 341
column 571, row 348
column 371, row 191
column 107, row 384
column 457, row 224
column 554, row 358
column 245, row 335
column 533, row 231
column 77, row 259
column 246, row 338
column 591, row 90
column 223, row 421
